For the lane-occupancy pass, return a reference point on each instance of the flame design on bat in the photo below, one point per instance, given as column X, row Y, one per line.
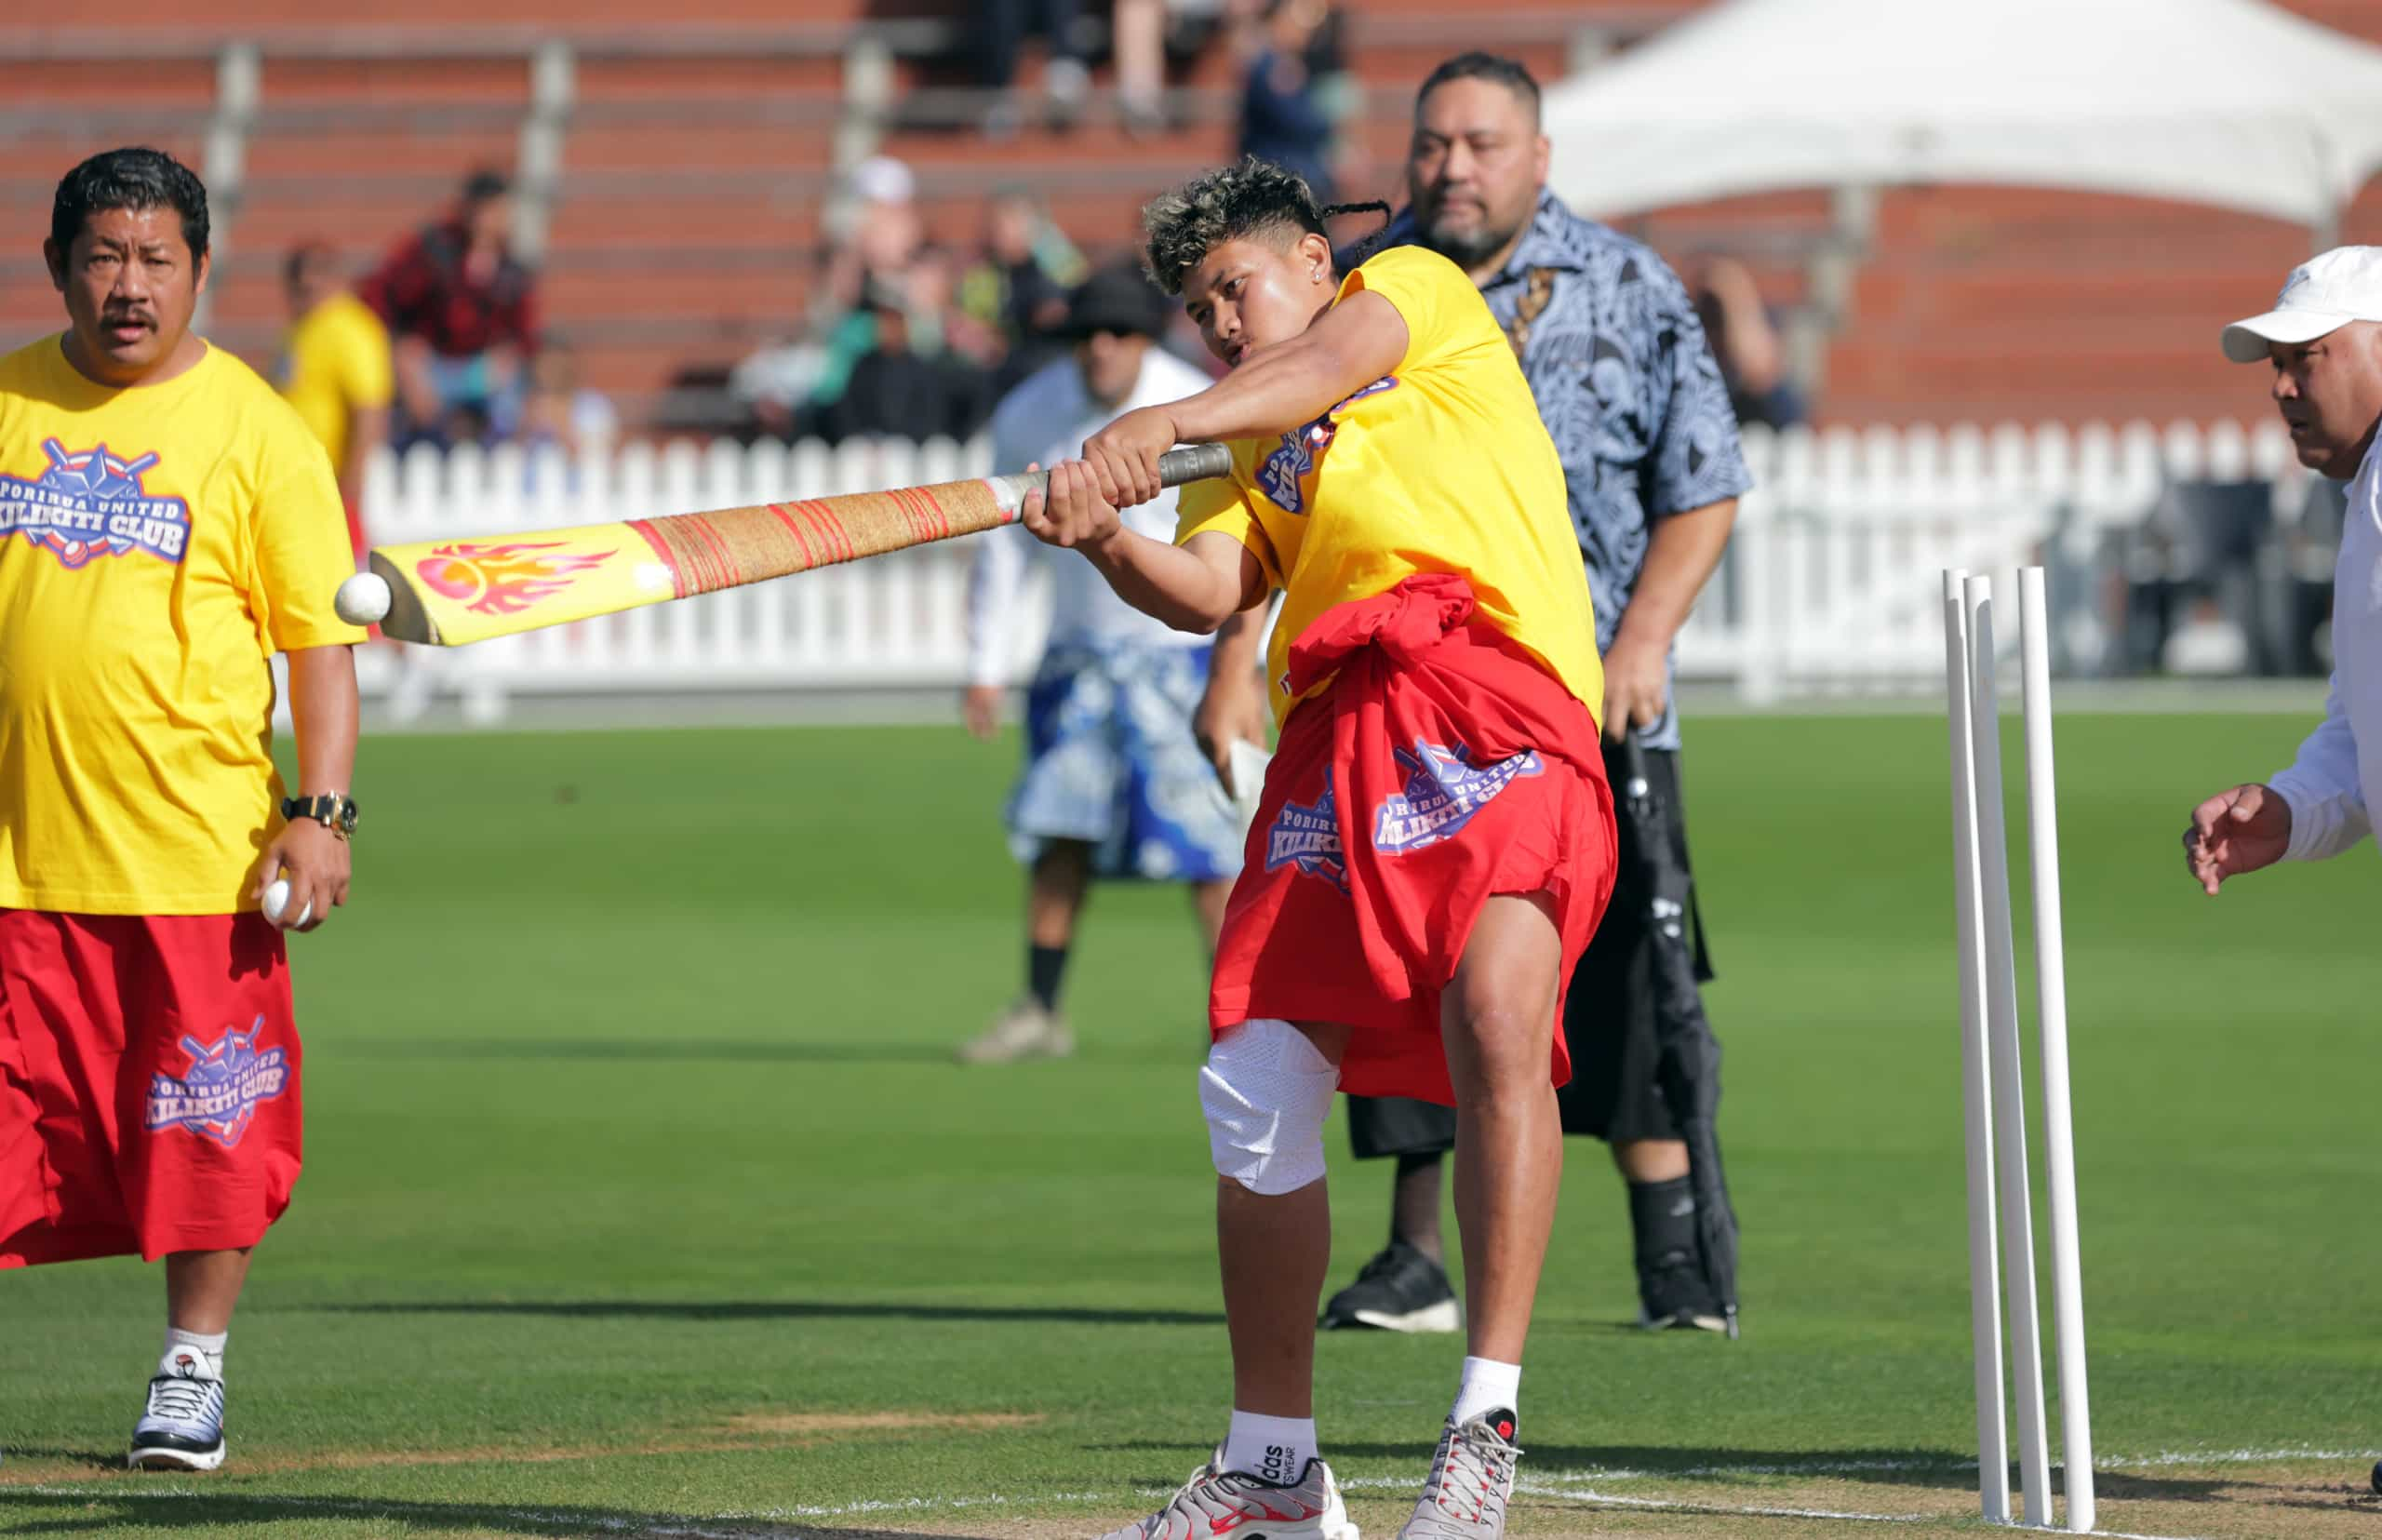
column 501, row 580
column 461, row 591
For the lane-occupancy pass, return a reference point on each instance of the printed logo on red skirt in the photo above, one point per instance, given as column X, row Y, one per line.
column 1308, row 837
column 1443, row 790
column 216, row 1097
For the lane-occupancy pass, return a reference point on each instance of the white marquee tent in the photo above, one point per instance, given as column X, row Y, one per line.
column 2230, row 102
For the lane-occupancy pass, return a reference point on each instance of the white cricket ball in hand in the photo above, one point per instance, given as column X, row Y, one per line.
column 362, row 599
column 277, row 898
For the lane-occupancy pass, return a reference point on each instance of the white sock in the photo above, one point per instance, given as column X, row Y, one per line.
column 1488, row 1386
column 209, row 1343
column 1272, row 1449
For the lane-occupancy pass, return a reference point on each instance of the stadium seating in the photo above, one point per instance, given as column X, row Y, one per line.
column 680, row 176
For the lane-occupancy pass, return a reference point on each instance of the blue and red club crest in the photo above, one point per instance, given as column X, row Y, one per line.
column 216, row 1096
column 1444, row 789
column 90, row 503
column 1307, row 836
column 1282, row 475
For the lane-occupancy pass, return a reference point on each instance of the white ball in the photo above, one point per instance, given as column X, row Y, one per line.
column 277, row 898
column 362, row 599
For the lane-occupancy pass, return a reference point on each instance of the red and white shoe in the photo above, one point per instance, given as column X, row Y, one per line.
column 1215, row 1503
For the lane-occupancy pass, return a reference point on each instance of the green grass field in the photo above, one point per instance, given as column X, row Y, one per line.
column 642, row 1197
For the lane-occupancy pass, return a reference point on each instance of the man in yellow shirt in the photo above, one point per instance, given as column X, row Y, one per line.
column 334, row 369
column 1435, row 841
column 166, row 523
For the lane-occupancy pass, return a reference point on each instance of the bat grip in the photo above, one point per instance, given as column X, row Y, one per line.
column 1194, row 462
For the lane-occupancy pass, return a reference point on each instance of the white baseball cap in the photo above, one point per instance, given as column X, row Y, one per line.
column 881, row 179
column 2322, row 295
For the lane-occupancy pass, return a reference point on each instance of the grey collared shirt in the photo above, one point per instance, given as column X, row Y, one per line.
column 1628, row 389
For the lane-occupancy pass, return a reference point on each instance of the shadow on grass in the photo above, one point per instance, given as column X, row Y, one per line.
column 136, row 1512
column 1754, row 1469
column 644, row 1050
column 768, row 1310
column 98, row 1459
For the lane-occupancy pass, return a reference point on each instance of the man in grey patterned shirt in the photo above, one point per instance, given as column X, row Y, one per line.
column 1617, row 360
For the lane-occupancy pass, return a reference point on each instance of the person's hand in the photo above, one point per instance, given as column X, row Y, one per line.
column 2234, row 832
column 1074, row 515
column 1232, row 710
column 1637, row 683
column 315, row 861
column 981, row 709
column 1123, row 456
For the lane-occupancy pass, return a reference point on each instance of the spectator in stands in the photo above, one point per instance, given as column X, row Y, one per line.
column 1744, row 342
column 334, row 369
column 878, row 236
column 1019, row 285
column 463, row 312
column 563, row 412
column 1002, row 29
column 1287, row 111
column 897, row 390
column 1138, row 41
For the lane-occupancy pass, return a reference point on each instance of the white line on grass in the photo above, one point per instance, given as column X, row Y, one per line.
column 694, row 1529
column 1569, row 1486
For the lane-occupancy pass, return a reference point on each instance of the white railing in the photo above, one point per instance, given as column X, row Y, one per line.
column 1829, row 584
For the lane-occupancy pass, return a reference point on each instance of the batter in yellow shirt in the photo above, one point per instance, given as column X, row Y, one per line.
column 334, row 364
column 157, row 545
column 1440, row 466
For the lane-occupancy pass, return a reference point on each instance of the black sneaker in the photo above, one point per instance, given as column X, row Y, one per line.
column 1672, row 1297
column 1399, row 1290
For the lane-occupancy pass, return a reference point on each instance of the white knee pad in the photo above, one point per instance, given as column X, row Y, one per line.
column 1265, row 1090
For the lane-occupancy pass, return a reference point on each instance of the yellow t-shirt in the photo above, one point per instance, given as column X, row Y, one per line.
column 335, row 363
column 157, row 545
column 1441, row 467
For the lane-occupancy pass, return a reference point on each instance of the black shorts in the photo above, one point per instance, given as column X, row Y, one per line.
column 1612, row 1014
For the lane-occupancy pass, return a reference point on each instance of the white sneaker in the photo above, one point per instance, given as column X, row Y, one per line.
column 1024, row 1031
column 182, row 1428
column 1471, row 1480
column 1215, row 1504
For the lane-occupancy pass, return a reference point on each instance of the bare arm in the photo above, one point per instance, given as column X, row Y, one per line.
column 1272, row 391
column 1232, row 708
column 1194, row 587
column 323, row 706
column 1275, row 389
column 1191, row 587
column 1681, row 554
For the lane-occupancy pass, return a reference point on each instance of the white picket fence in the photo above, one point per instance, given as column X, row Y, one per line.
column 1828, row 585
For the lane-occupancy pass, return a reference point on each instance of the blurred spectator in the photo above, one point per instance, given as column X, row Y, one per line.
column 563, row 412
column 1002, row 29
column 463, row 311
column 2206, row 644
column 1019, row 286
column 1746, row 344
column 934, row 293
column 1288, row 103
column 334, row 369
column 880, row 228
column 897, row 391
column 1138, row 41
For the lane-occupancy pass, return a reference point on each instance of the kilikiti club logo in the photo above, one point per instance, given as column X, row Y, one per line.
column 1444, row 789
column 90, row 503
column 502, row 580
column 1307, row 836
column 216, row 1096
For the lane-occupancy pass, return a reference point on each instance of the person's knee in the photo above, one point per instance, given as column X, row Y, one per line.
column 1266, row 1089
column 1498, row 1049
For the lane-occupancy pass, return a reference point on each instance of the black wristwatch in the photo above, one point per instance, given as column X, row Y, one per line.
column 335, row 813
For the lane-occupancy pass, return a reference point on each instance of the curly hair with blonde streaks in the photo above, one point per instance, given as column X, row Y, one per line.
column 1254, row 200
